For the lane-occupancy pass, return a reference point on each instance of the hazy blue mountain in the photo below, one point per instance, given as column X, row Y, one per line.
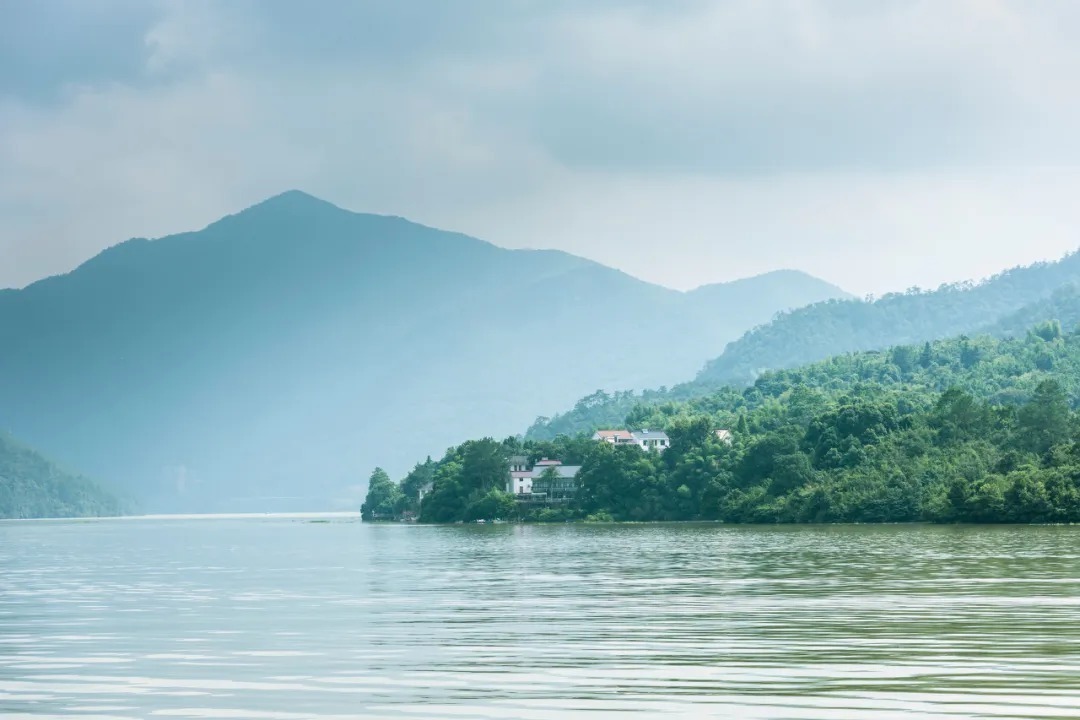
column 818, row 331
column 271, row 359
column 33, row 487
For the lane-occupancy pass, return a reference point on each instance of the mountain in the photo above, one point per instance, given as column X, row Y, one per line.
column 271, row 359
column 812, row 333
column 1007, row 305
column 784, row 288
column 33, row 487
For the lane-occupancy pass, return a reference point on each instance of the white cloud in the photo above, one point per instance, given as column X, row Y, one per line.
column 877, row 145
column 870, row 233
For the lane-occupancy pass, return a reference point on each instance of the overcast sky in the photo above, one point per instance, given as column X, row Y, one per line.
column 879, row 145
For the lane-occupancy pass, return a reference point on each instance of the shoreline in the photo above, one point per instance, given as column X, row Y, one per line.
column 342, row 515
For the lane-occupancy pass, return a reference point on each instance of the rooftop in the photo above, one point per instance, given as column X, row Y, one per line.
column 616, row 434
column 650, row 435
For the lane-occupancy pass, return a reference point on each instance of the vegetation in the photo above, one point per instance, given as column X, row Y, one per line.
column 818, row 331
column 384, row 497
column 961, row 430
column 33, row 487
column 807, row 335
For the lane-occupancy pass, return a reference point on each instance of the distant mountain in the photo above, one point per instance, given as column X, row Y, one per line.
column 784, row 288
column 1007, row 305
column 33, row 487
column 271, row 359
column 816, row 332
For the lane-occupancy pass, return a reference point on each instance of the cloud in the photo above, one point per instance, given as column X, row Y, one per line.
column 49, row 45
column 833, row 136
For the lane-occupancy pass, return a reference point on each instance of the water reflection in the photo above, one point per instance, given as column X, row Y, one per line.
column 289, row 619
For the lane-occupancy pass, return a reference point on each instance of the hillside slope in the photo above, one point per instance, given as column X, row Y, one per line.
column 818, row 331
column 917, row 317
column 33, row 487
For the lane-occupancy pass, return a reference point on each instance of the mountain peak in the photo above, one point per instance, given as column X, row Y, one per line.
column 292, row 201
column 795, row 283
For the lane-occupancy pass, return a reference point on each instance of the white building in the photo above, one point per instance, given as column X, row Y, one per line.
column 652, row 440
column 521, row 476
column 557, row 489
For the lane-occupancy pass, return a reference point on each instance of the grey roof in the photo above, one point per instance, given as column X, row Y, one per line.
column 518, row 459
column 650, row 435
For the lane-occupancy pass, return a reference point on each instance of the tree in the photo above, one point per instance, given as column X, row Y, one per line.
column 1047, row 331
column 1045, row 421
column 383, row 497
column 959, row 416
column 484, row 466
column 493, row 505
column 926, row 357
column 903, row 357
column 969, row 354
column 419, row 477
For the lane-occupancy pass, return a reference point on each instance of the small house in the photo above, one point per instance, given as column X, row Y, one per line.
column 652, row 440
column 615, row 437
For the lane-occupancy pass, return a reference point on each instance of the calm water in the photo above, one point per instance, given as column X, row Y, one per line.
column 286, row 618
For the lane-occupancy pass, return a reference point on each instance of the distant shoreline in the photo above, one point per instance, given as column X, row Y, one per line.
column 200, row 516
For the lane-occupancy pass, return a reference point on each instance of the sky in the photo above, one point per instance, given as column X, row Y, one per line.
column 879, row 145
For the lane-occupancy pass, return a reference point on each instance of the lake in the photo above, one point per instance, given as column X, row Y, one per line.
column 286, row 618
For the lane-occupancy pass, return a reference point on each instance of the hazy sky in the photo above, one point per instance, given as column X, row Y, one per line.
column 879, row 145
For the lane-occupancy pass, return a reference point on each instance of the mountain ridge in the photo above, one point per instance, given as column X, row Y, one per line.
column 1004, row 305
column 269, row 353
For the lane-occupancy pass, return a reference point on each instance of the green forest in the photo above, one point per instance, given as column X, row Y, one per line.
column 818, row 331
column 33, row 487
column 964, row 430
column 783, row 342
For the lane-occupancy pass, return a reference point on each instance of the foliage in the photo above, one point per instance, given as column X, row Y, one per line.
column 815, row 332
column 1012, row 304
column 33, row 487
column 384, row 497
column 977, row 429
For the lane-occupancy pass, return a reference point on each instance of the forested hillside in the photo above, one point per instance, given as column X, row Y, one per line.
column 605, row 409
column 812, row 333
column 33, row 487
column 981, row 430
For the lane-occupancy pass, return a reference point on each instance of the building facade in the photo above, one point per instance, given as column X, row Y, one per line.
column 546, row 481
column 652, row 440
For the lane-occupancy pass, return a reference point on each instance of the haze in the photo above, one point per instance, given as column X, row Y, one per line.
column 877, row 146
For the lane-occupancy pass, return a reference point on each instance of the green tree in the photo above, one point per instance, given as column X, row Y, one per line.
column 1048, row 331
column 1045, row 421
column 926, row 357
column 383, row 497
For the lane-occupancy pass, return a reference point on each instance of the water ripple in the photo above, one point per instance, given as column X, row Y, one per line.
column 282, row 619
